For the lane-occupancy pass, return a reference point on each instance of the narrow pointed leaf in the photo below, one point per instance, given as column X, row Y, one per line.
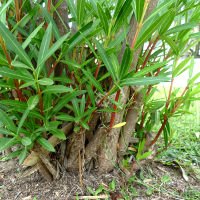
column 46, row 144
column 49, row 19
column 93, row 80
column 45, row 81
column 57, row 89
column 6, row 121
column 33, row 101
column 45, row 43
column 14, row 44
column 181, row 27
column 80, row 11
column 66, row 117
column 53, row 48
column 58, row 133
column 106, row 60
column 7, row 142
column 31, row 36
column 103, row 18
column 14, row 74
column 143, row 81
column 139, row 9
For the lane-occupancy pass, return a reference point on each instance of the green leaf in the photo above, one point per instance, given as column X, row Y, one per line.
column 76, row 107
column 180, row 66
column 91, row 94
column 106, row 60
column 22, row 156
column 139, row 9
column 30, row 83
column 20, row 65
column 93, row 80
column 123, row 15
column 143, row 81
column 64, row 100
column 66, row 117
column 49, row 20
column 80, row 12
column 5, row 132
column 22, row 120
column 14, row 154
column 145, row 155
column 103, row 18
column 147, row 32
column 71, row 63
column 195, row 35
column 14, row 44
column 77, row 38
column 58, row 133
column 118, row 8
column 171, row 43
column 45, row 81
column 5, row 6
column 31, row 36
column 125, row 65
column 146, row 70
column 33, row 101
column 166, row 178
column 168, row 21
column 112, row 185
column 57, row 89
column 14, row 74
column 26, row 141
column 99, row 190
column 90, row 190
column 45, row 143
column 6, row 121
column 53, row 48
column 45, row 43
column 7, row 142
column 181, row 27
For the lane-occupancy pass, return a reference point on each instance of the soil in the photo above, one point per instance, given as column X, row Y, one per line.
column 68, row 186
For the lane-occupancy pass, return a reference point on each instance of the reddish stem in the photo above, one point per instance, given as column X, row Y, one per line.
column 166, row 118
column 148, row 55
column 114, row 113
column 17, row 13
column 19, row 92
column 52, row 69
column 136, row 36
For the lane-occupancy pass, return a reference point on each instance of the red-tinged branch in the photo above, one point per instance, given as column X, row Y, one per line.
column 160, row 131
column 148, row 55
column 166, row 118
column 9, row 26
column 48, row 10
column 21, row 10
column 19, row 92
column 48, row 6
column 114, row 113
column 136, row 36
column 178, row 102
column 52, row 69
column 17, row 13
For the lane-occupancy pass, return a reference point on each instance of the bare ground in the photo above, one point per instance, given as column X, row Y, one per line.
column 68, row 186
